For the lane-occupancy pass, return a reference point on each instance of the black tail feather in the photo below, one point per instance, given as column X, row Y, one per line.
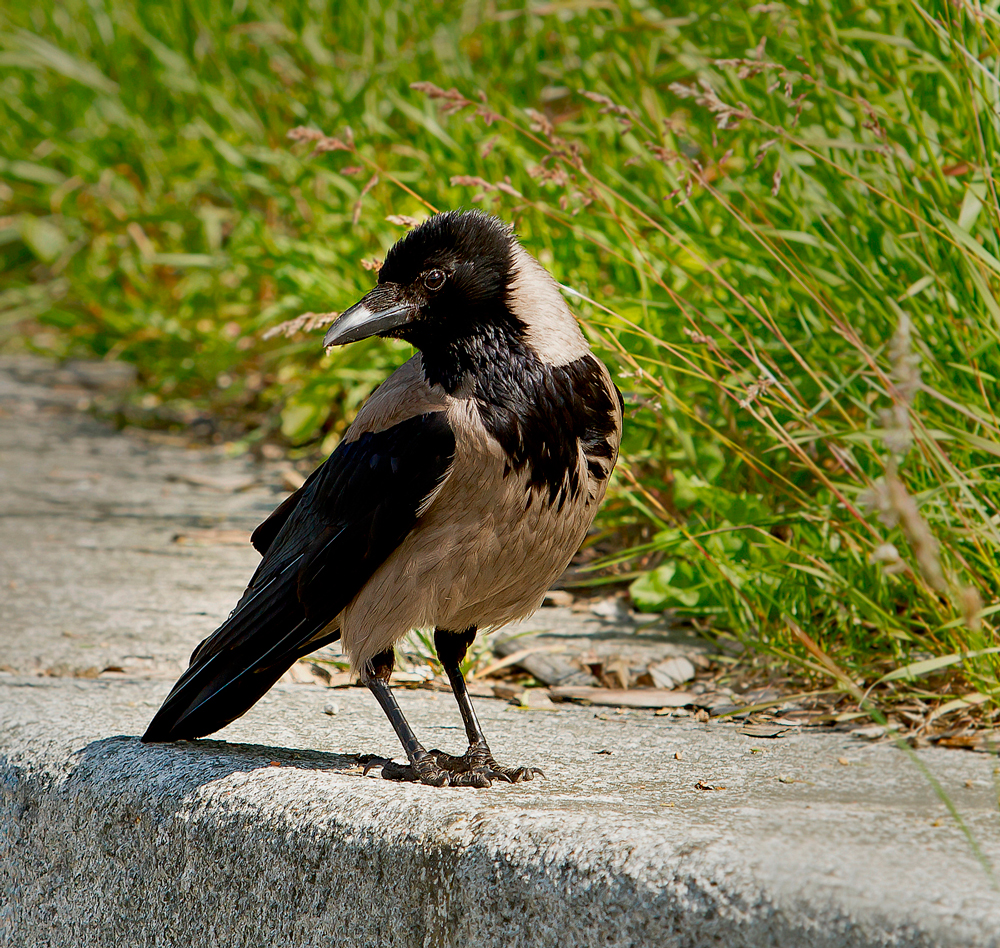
column 232, row 669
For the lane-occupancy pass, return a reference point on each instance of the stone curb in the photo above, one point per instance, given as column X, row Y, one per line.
column 108, row 842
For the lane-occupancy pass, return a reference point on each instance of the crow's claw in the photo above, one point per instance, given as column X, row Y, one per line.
column 370, row 761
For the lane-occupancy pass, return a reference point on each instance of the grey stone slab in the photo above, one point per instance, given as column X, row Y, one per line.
column 108, row 842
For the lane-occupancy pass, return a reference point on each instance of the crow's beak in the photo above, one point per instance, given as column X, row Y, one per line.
column 381, row 310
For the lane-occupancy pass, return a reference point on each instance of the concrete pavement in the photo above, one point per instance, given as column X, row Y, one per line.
column 647, row 830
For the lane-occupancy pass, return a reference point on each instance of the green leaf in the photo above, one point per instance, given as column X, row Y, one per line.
column 972, row 204
column 671, row 584
column 44, row 239
column 182, row 260
column 969, row 243
column 31, row 171
column 60, row 61
column 300, row 419
column 916, row 288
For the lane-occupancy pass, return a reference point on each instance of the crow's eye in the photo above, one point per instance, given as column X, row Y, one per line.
column 434, row 279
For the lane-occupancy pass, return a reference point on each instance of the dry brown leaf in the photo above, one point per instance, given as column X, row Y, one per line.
column 764, row 730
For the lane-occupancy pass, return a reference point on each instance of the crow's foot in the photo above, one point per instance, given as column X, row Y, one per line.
column 478, row 762
column 475, row 768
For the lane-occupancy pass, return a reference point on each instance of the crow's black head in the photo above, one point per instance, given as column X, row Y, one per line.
column 444, row 280
column 461, row 256
column 462, row 290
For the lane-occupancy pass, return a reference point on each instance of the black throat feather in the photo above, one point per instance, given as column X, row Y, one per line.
column 539, row 413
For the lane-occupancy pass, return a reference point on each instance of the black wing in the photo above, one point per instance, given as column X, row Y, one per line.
column 320, row 547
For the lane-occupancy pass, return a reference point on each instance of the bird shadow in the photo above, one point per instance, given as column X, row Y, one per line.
column 185, row 765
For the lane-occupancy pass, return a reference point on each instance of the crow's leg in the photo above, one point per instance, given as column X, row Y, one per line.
column 477, row 766
column 423, row 765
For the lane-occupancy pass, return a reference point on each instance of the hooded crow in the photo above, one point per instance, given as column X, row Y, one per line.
column 458, row 495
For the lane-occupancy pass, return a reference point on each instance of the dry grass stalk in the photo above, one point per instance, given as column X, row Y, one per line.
column 473, row 181
column 356, row 215
column 307, row 322
column 972, row 605
column 918, row 533
column 323, row 141
column 727, row 116
column 624, row 114
column 451, row 99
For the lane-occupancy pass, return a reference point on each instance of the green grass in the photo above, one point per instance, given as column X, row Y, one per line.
column 788, row 250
